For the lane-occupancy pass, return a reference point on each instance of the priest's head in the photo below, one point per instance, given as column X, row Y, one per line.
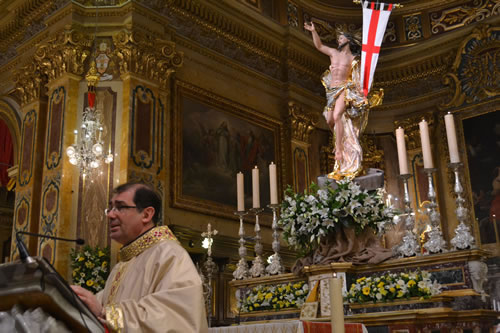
column 134, row 209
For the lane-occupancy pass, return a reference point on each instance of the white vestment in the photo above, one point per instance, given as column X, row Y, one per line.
column 154, row 288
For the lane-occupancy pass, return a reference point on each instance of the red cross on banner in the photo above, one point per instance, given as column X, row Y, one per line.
column 375, row 18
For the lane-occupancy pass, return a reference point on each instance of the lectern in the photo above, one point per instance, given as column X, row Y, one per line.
column 39, row 285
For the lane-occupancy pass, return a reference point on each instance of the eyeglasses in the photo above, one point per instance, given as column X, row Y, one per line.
column 117, row 209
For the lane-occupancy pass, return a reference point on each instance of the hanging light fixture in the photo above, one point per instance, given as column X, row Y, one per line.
column 87, row 152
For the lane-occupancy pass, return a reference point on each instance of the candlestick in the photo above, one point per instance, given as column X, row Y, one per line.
column 275, row 267
column 451, row 135
column 426, row 144
column 463, row 238
column 241, row 271
column 210, row 266
column 409, row 245
column 255, row 187
column 436, row 243
column 402, row 156
column 336, row 305
column 240, row 191
column 273, row 184
column 258, row 268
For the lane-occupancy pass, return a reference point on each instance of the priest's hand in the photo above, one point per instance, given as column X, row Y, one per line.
column 88, row 298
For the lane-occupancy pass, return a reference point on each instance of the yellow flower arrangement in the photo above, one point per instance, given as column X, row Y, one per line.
column 90, row 267
column 274, row 297
column 389, row 287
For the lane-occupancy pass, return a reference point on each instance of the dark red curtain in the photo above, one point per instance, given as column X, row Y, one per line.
column 6, row 153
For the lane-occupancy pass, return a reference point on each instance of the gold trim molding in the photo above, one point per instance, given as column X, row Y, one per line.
column 302, row 123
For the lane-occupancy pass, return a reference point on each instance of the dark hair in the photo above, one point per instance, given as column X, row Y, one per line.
column 144, row 196
column 354, row 45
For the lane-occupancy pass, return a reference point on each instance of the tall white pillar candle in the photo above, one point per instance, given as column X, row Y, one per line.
column 426, row 144
column 273, row 184
column 240, row 190
column 255, row 187
column 336, row 305
column 451, row 135
column 402, row 157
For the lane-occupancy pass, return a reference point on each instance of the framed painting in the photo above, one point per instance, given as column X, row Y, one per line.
column 214, row 139
column 482, row 145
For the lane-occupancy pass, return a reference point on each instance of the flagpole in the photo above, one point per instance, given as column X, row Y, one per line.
column 395, row 5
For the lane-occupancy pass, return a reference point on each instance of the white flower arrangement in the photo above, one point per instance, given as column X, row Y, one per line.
column 306, row 218
column 90, row 267
column 392, row 286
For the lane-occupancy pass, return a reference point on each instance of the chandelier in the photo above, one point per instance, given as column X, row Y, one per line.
column 87, row 152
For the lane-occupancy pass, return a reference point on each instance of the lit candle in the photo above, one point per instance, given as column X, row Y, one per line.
column 255, row 187
column 426, row 144
column 402, row 157
column 273, row 183
column 452, row 138
column 76, row 136
column 336, row 305
column 240, row 192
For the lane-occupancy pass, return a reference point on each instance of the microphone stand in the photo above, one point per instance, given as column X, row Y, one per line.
column 24, row 255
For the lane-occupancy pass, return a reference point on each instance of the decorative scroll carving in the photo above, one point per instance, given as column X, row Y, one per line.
column 475, row 73
column 292, row 14
column 457, row 17
column 301, row 122
column 413, row 27
column 412, row 131
column 145, row 55
column 65, row 53
column 390, row 32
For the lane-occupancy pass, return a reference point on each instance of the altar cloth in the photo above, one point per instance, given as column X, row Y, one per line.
column 292, row 326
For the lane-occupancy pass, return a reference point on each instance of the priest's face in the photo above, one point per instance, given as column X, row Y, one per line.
column 126, row 223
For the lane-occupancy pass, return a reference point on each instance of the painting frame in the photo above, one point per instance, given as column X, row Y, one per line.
column 475, row 166
column 189, row 100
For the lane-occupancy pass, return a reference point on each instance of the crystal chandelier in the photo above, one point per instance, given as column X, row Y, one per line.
column 87, row 152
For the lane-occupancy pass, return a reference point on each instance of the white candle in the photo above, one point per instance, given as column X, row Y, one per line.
column 336, row 306
column 402, row 157
column 426, row 144
column 240, row 187
column 452, row 138
column 255, row 187
column 273, row 183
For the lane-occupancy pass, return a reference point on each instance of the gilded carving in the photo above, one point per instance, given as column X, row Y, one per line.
column 301, row 122
column 413, row 27
column 292, row 14
column 475, row 73
column 460, row 16
column 145, row 55
column 64, row 53
column 373, row 156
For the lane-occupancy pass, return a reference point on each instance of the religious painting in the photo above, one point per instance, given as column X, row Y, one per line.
column 214, row 140
column 482, row 143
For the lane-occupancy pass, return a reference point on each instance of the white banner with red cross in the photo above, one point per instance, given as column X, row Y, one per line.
column 375, row 18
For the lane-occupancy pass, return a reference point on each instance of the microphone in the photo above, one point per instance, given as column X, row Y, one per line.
column 24, row 255
column 78, row 241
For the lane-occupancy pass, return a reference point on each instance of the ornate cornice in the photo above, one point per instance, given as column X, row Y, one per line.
column 142, row 54
column 459, row 16
column 302, row 123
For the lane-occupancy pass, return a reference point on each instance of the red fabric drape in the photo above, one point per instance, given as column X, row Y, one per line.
column 6, row 153
column 325, row 327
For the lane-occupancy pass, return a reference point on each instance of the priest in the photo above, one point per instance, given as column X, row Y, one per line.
column 155, row 286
